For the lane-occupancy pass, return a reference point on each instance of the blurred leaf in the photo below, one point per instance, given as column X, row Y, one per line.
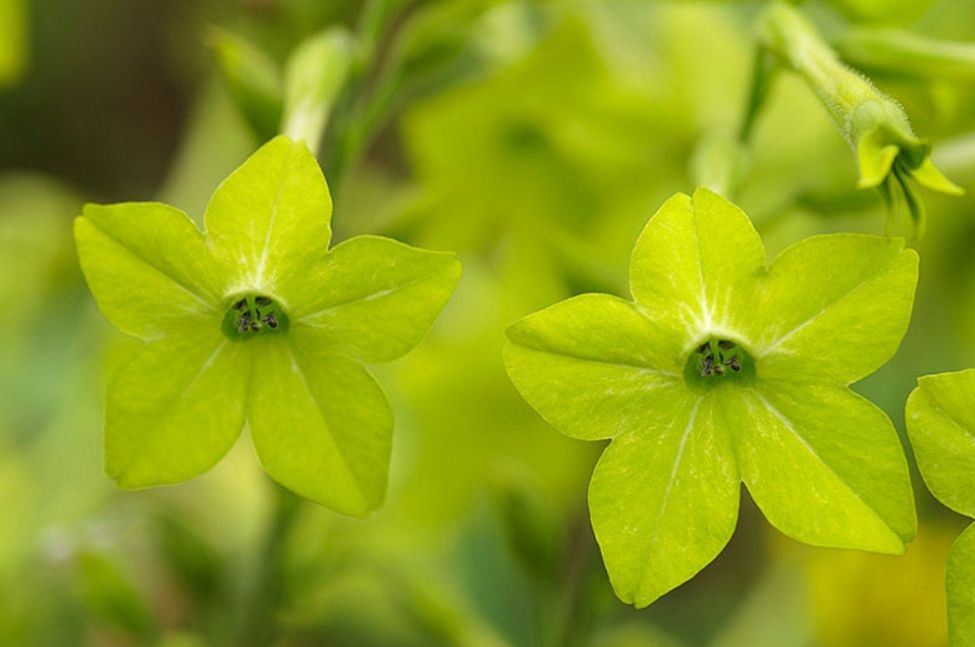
column 530, row 524
column 111, row 597
column 196, row 562
column 253, row 79
column 13, row 40
column 314, row 75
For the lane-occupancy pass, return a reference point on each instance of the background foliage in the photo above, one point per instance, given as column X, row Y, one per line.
column 533, row 138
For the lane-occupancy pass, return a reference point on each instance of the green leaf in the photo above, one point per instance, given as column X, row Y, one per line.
column 837, row 307
column 175, row 409
column 148, row 268
column 664, row 500
column 960, row 585
column 253, row 79
column 269, row 220
column 824, row 465
column 373, row 298
column 321, row 426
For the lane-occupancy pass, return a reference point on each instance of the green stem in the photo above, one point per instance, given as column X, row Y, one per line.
column 258, row 626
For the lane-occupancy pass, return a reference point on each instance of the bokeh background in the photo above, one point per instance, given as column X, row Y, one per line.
column 535, row 139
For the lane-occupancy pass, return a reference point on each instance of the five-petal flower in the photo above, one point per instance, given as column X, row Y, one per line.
column 256, row 320
column 725, row 370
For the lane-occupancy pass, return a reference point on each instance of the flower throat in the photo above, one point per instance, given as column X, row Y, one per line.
column 253, row 315
column 716, row 361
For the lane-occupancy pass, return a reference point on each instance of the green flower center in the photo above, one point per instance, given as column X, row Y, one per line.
column 252, row 315
column 716, row 361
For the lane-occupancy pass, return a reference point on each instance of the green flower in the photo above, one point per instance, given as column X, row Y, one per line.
column 256, row 320
column 890, row 156
column 726, row 370
column 941, row 426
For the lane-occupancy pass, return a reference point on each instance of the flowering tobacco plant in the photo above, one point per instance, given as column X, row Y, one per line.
column 724, row 369
column 256, row 320
column 890, row 156
column 941, row 426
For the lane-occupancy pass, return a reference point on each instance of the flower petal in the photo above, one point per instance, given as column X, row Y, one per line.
column 876, row 157
column 960, row 585
column 593, row 366
column 270, row 219
column 695, row 266
column 148, row 268
column 834, row 307
column 825, row 466
column 941, row 425
column 930, row 176
column 373, row 298
column 321, row 425
column 175, row 409
column 664, row 501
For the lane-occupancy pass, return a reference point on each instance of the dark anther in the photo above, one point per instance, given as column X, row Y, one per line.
column 271, row 321
column 263, row 301
column 240, row 305
column 724, row 344
column 734, row 364
column 703, row 348
column 706, row 366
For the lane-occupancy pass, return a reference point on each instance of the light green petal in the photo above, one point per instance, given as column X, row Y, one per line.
column 941, row 425
column 695, row 265
column 373, row 298
column 593, row 366
column 835, row 308
column 876, row 157
column 664, row 500
column 269, row 220
column 930, row 176
column 175, row 409
column 321, row 426
column 825, row 466
column 147, row 267
column 960, row 585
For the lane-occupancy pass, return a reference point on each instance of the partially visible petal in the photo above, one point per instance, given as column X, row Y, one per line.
column 664, row 500
column 175, row 409
column 941, row 424
column 960, row 585
column 930, row 176
column 825, row 466
column 835, row 308
column 876, row 157
column 593, row 366
column 148, row 268
column 695, row 265
column 373, row 298
column 321, row 425
column 270, row 219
